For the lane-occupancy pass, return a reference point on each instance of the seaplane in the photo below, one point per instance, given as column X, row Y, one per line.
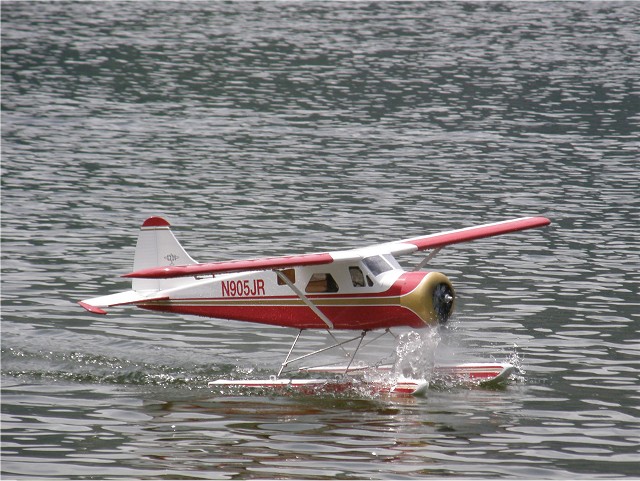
column 363, row 289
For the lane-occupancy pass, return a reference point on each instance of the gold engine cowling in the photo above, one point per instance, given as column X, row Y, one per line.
column 433, row 299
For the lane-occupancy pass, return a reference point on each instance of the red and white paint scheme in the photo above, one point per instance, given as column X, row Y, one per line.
column 360, row 289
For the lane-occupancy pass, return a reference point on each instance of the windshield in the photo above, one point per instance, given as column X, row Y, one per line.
column 377, row 265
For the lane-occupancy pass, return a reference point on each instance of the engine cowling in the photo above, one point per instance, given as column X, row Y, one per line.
column 432, row 297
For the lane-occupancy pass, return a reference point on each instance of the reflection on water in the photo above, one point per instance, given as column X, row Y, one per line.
column 280, row 128
column 252, row 436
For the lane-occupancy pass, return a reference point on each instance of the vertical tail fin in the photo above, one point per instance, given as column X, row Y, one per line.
column 158, row 247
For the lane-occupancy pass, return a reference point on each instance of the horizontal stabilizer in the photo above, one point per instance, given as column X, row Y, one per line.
column 97, row 304
column 92, row 309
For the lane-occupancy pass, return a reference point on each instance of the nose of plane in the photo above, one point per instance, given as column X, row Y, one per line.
column 430, row 295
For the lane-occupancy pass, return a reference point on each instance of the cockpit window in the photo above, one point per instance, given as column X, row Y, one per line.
column 357, row 277
column 377, row 265
column 321, row 282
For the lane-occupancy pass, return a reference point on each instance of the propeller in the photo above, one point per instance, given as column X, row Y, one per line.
column 443, row 297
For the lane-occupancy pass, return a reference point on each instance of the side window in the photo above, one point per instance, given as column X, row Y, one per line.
column 289, row 274
column 321, row 282
column 357, row 277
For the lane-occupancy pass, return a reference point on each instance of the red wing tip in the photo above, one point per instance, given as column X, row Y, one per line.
column 93, row 309
column 542, row 221
column 155, row 222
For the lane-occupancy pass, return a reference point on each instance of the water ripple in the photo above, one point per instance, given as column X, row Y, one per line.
column 278, row 128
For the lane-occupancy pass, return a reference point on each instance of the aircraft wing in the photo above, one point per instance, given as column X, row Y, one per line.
column 208, row 268
column 467, row 234
column 405, row 246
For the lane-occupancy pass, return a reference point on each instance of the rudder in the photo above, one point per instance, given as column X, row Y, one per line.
column 158, row 247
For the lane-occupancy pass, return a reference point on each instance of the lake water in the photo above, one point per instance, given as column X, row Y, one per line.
column 279, row 128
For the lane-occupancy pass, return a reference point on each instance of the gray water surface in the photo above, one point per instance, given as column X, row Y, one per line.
column 267, row 128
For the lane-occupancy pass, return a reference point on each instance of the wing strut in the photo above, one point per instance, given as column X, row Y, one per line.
column 427, row 259
column 305, row 299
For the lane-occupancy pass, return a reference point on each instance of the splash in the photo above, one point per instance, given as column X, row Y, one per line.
column 517, row 362
column 415, row 354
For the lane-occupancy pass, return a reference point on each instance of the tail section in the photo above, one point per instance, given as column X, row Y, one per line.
column 156, row 247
